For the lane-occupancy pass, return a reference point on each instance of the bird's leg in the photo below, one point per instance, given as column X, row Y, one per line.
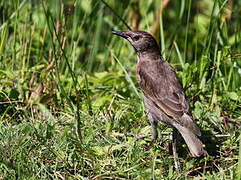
column 174, row 149
column 152, row 118
column 154, row 131
column 154, row 123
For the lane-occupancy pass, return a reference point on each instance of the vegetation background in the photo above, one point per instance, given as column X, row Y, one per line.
column 70, row 107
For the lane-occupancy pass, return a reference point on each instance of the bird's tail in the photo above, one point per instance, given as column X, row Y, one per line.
column 194, row 144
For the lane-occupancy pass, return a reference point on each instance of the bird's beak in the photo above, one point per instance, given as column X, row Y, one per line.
column 120, row 33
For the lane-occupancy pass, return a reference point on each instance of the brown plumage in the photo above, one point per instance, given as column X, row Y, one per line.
column 164, row 97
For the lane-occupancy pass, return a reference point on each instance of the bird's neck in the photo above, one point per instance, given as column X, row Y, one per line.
column 149, row 55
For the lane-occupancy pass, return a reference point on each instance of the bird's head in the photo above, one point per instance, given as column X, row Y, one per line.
column 140, row 40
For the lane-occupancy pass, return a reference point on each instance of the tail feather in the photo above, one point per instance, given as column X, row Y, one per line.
column 194, row 144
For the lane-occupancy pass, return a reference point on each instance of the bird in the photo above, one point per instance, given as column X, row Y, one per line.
column 164, row 97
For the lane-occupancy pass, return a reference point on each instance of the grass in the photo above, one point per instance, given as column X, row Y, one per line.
column 69, row 100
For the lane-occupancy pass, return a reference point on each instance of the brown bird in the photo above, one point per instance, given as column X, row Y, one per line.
column 163, row 94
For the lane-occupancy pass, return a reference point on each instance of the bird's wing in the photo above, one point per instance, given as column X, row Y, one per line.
column 160, row 84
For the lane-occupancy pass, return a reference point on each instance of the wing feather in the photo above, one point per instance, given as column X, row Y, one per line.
column 159, row 83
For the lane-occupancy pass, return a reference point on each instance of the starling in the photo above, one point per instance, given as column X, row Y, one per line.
column 163, row 94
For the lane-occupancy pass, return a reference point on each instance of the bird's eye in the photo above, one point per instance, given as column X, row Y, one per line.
column 136, row 38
